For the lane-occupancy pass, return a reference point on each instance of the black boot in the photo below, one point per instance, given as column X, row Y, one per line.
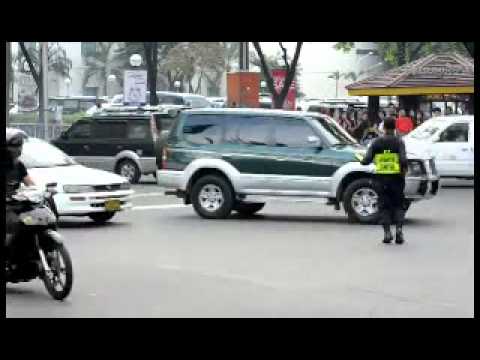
column 399, row 236
column 388, row 237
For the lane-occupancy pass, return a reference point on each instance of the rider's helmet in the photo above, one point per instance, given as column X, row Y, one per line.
column 14, row 142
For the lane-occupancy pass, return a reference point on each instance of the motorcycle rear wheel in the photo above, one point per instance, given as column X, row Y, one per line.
column 61, row 264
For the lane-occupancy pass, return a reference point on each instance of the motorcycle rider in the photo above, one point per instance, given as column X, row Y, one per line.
column 15, row 174
column 391, row 165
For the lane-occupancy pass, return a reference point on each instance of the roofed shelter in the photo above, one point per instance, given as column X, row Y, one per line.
column 449, row 77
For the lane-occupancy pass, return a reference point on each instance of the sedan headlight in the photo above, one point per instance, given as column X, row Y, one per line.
column 125, row 186
column 75, row 189
column 416, row 168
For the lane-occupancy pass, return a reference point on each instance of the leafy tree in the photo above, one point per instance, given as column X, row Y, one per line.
column 58, row 61
column 205, row 59
column 100, row 64
column 400, row 53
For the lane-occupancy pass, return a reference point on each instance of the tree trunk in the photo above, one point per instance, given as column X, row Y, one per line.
column 151, row 51
column 373, row 107
column 35, row 75
column 402, row 53
column 278, row 98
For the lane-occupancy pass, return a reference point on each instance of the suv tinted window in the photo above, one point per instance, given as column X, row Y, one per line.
column 292, row 133
column 198, row 102
column 80, row 130
column 138, row 130
column 170, row 100
column 110, row 130
column 254, row 130
column 455, row 133
column 203, row 129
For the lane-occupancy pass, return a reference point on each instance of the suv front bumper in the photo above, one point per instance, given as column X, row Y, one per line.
column 422, row 187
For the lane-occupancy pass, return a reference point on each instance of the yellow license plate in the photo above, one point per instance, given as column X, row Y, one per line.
column 112, row 205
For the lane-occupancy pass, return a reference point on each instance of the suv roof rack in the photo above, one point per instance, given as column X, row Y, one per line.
column 147, row 110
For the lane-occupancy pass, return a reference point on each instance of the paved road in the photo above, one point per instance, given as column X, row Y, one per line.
column 294, row 259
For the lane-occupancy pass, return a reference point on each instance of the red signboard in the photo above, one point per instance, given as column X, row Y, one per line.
column 279, row 76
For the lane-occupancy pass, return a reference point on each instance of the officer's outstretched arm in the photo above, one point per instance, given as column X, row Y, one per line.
column 367, row 160
column 27, row 180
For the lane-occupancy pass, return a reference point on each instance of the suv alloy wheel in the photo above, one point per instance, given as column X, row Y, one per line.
column 361, row 201
column 128, row 169
column 212, row 197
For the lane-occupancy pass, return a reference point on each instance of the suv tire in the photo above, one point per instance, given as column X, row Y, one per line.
column 212, row 197
column 248, row 209
column 361, row 199
column 127, row 168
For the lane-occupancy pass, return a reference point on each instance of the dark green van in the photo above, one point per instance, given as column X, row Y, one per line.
column 118, row 140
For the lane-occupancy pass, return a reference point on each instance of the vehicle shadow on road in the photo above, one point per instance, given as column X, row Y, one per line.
column 85, row 224
column 411, row 222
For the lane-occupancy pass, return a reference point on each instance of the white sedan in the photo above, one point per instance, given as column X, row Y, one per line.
column 450, row 140
column 82, row 191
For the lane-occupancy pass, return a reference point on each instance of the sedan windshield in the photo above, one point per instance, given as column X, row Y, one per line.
column 334, row 133
column 40, row 154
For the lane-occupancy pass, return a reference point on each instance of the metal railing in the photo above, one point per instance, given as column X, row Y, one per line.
column 37, row 130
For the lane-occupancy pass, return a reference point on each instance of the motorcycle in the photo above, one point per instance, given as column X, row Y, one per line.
column 38, row 250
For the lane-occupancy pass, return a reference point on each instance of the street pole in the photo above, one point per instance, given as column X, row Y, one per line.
column 244, row 60
column 44, row 79
column 8, row 63
column 337, row 77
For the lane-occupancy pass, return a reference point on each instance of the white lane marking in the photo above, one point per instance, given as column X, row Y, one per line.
column 148, row 194
column 158, row 207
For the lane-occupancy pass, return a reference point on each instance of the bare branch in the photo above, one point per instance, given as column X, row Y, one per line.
column 265, row 69
column 30, row 63
column 285, row 57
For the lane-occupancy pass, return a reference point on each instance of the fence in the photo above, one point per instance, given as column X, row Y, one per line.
column 38, row 130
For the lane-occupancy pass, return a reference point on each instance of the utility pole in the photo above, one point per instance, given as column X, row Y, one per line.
column 44, row 84
column 244, row 60
column 8, row 64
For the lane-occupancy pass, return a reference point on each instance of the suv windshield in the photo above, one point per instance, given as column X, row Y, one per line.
column 40, row 154
column 426, row 130
column 335, row 134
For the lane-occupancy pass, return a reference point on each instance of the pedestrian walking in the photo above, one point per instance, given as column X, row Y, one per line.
column 404, row 124
column 419, row 118
column 345, row 122
column 390, row 159
column 362, row 125
column 381, row 117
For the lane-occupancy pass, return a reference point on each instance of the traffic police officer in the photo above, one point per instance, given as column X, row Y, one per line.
column 389, row 156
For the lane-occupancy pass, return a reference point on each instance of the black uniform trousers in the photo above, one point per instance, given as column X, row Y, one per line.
column 392, row 199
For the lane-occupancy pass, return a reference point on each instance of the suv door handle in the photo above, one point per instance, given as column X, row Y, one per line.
column 86, row 147
column 119, row 147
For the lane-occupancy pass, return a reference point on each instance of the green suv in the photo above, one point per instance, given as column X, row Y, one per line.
column 224, row 160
